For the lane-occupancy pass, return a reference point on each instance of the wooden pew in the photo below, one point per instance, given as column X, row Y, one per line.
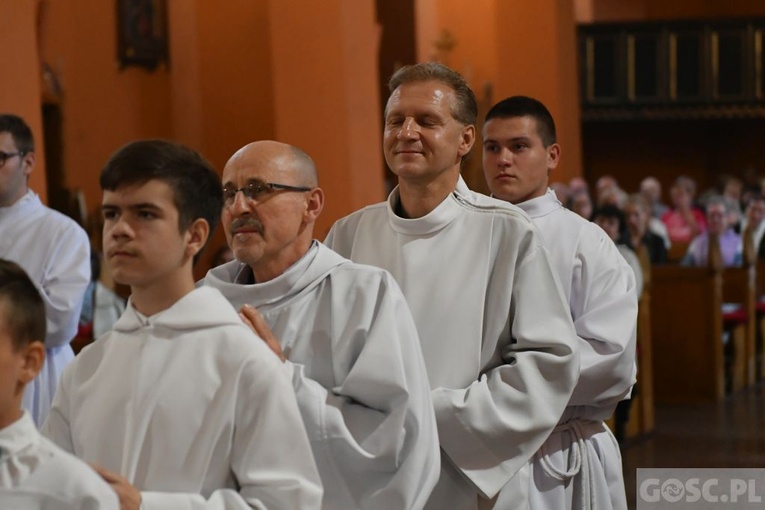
column 676, row 252
column 641, row 418
column 760, row 305
column 739, row 288
column 687, row 326
column 755, row 361
column 645, row 348
column 755, row 313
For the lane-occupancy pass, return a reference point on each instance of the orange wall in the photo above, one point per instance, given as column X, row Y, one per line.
column 325, row 82
column 474, row 55
column 103, row 107
column 538, row 58
column 239, row 71
column 234, row 56
column 472, row 26
column 20, row 86
column 509, row 48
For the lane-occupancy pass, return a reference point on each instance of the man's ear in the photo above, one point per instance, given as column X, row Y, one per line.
column 28, row 163
column 553, row 156
column 33, row 358
column 197, row 233
column 314, row 205
column 467, row 140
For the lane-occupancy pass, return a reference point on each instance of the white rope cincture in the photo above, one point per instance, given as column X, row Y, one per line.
column 579, row 462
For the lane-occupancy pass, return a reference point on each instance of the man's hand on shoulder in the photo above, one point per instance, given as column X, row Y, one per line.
column 252, row 317
column 130, row 497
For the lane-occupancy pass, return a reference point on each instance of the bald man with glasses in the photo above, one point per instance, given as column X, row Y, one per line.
column 51, row 248
column 343, row 330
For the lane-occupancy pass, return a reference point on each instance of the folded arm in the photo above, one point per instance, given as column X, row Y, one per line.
column 492, row 428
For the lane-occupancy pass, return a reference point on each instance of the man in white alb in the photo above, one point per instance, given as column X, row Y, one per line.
column 579, row 466
column 498, row 341
column 343, row 330
column 51, row 248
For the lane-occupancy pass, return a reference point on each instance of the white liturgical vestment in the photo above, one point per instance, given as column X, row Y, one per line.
column 496, row 334
column 55, row 253
column 35, row 474
column 601, row 290
column 192, row 408
column 358, row 373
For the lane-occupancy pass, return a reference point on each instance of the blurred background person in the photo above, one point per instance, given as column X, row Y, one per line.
column 754, row 215
column 581, row 203
column 611, row 219
column 685, row 220
column 719, row 231
column 637, row 212
column 650, row 189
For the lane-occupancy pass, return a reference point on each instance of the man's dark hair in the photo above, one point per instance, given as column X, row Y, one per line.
column 522, row 106
column 197, row 191
column 465, row 108
column 612, row 212
column 22, row 311
column 19, row 130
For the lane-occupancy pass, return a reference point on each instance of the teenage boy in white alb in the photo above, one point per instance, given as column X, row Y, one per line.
column 579, row 466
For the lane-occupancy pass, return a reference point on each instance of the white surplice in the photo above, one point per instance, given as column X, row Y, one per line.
column 358, row 374
column 55, row 252
column 35, row 474
column 192, row 408
column 580, row 465
column 496, row 333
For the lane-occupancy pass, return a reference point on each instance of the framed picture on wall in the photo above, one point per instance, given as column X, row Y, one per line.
column 142, row 33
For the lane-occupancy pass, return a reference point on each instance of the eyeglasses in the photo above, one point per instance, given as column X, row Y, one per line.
column 256, row 190
column 5, row 156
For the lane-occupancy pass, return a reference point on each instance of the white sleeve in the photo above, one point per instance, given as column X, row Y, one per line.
column 63, row 285
column 604, row 306
column 490, row 429
column 376, row 425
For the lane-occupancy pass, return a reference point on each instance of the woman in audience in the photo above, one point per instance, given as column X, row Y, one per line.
column 581, row 203
column 611, row 219
column 639, row 233
column 684, row 221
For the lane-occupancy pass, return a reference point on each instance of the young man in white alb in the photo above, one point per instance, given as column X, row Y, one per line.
column 579, row 466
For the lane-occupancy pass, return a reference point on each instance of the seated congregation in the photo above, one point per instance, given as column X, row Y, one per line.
column 705, row 280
